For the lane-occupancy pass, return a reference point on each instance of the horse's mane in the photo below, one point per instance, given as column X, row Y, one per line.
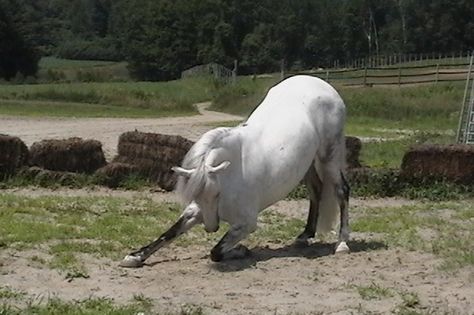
column 189, row 188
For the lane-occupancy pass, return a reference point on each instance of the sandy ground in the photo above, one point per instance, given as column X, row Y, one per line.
column 108, row 130
column 277, row 279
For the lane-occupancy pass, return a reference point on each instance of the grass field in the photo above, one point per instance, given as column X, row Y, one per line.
column 115, row 99
column 47, row 63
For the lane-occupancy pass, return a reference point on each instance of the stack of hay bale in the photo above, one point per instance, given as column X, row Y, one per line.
column 62, row 160
column 453, row 162
column 353, row 146
column 151, row 155
column 13, row 155
column 68, row 155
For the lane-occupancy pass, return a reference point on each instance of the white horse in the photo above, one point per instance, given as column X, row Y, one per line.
column 232, row 174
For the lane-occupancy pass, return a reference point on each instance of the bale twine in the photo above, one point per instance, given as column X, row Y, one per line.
column 451, row 162
column 68, row 155
column 353, row 146
column 153, row 155
column 13, row 155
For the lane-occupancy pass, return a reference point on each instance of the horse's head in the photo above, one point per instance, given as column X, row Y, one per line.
column 199, row 188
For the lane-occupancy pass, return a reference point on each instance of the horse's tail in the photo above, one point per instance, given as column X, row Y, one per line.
column 329, row 171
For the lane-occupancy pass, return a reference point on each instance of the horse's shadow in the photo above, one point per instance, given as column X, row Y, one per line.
column 316, row 250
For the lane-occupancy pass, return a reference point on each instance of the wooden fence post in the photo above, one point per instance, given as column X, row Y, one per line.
column 437, row 73
column 399, row 76
column 282, row 69
column 234, row 72
column 365, row 75
column 327, row 76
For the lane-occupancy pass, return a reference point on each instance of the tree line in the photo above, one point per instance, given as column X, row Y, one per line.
column 160, row 38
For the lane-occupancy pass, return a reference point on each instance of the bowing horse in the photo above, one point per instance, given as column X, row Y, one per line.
column 232, row 174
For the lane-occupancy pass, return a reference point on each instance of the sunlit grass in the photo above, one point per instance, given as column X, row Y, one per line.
column 112, row 99
column 449, row 239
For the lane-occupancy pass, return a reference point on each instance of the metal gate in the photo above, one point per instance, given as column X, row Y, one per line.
column 465, row 132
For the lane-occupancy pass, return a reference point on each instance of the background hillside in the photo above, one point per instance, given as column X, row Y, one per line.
column 161, row 38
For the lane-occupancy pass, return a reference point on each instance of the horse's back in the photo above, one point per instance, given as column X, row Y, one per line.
column 291, row 125
column 298, row 94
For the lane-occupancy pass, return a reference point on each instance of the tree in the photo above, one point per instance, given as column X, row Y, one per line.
column 16, row 54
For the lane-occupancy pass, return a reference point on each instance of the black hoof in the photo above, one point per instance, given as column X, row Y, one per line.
column 238, row 252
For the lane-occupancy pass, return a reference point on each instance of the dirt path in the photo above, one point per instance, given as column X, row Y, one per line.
column 107, row 130
column 278, row 279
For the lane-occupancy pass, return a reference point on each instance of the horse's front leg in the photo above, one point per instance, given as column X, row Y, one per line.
column 228, row 247
column 190, row 217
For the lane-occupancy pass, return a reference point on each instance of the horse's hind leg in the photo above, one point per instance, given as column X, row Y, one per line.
column 342, row 192
column 190, row 217
column 227, row 247
column 314, row 186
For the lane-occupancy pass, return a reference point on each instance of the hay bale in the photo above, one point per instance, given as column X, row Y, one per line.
column 451, row 162
column 68, row 155
column 13, row 155
column 353, row 146
column 153, row 155
column 114, row 173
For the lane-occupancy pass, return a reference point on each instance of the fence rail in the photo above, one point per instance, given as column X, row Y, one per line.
column 409, row 58
column 391, row 75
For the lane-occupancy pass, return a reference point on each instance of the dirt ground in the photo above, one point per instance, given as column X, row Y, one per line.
column 108, row 130
column 277, row 279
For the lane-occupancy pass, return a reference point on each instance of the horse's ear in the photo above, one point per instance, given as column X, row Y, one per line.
column 218, row 168
column 182, row 172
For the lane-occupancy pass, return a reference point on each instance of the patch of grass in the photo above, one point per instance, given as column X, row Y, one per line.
column 112, row 99
column 427, row 108
column 66, row 261
column 91, row 306
column 421, row 107
column 68, row 109
column 276, row 227
column 389, row 154
column 46, row 63
column 243, row 97
column 410, row 299
column 7, row 293
column 409, row 305
column 74, row 180
column 451, row 239
column 98, row 226
column 232, row 123
column 373, row 292
column 113, row 222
